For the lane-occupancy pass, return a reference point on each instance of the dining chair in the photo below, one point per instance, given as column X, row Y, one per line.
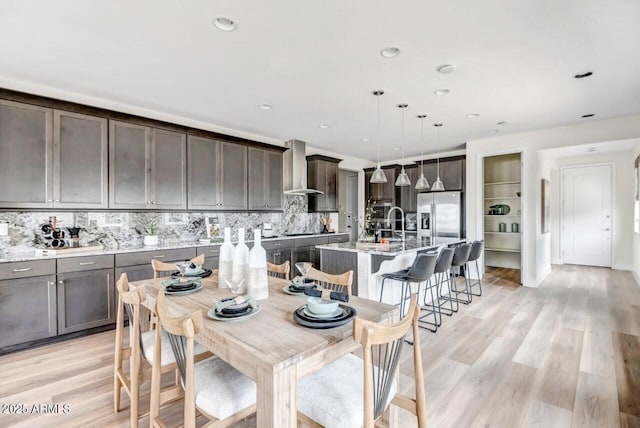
column 279, row 271
column 211, row 387
column 354, row 392
column 162, row 269
column 341, row 282
column 139, row 350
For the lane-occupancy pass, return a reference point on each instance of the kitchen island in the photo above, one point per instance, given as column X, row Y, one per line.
column 369, row 264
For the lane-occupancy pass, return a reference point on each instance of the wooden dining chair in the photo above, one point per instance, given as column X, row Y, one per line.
column 211, row 387
column 162, row 269
column 330, row 397
column 279, row 271
column 337, row 282
column 140, row 348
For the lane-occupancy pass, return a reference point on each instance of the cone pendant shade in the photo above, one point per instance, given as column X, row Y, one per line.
column 422, row 183
column 378, row 176
column 437, row 185
column 403, row 179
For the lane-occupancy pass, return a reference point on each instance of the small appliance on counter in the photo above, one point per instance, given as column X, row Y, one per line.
column 267, row 230
column 56, row 243
column 53, row 236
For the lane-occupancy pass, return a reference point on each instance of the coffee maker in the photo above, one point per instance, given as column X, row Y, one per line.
column 53, row 235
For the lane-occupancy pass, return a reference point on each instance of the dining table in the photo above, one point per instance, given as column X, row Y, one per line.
column 270, row 347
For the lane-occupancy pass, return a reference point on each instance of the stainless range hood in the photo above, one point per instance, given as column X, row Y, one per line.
column 295, row 169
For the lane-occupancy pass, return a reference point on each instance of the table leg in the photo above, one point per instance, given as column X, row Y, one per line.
column 276, row 400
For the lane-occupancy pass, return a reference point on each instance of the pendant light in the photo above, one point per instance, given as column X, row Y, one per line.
column 403, row 178
column 437, row 185
column 422, row 183
column 378, row 175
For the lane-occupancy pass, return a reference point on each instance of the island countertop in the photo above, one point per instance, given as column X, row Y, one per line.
column 395, row 248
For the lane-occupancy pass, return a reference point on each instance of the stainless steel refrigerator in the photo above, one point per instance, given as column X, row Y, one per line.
column 439, row 215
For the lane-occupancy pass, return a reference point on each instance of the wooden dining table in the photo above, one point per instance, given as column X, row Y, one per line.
column 270, row 347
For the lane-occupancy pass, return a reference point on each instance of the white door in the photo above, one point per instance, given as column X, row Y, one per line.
column 587, row 222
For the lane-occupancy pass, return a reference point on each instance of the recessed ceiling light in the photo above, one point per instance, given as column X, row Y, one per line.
column 446, row 68
column 588, row 115
column 224, row 23
column 266, row 106
column 583, row 75
column 442, row 91
column 592, row 149
column 365, row 140
column 390, row 52
column 502, row 123
column 493, row 131
column 397, row 149
column 472, row 115
column 324, row 126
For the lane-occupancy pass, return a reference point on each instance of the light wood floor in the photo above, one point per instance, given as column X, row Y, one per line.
column 565, row 354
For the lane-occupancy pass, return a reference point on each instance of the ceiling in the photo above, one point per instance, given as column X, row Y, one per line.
column 318, row 63
column 594, row 149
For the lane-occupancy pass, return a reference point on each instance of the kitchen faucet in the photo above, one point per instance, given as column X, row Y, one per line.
column 389, row 219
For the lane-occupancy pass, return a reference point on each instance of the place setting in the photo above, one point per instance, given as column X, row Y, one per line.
column 236, row 307
column 191, row 270
column 181, row 283
column 300, row 283
column 324, row 309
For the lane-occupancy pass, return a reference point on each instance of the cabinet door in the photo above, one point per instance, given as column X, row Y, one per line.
column 80, row 148
column 85, row 300
column 409, row 194
column 258, row 184
column 388, row 189
column 26, row 156
column 129, row 169
column 27, row 309
column 233, row 179
column 274, row 190
column 168, row 170
column 211, row 256
column 204, row 176
column 430, row 172
column 451, row 174
column 136, row 273
column 316, row 179
column 331, row 187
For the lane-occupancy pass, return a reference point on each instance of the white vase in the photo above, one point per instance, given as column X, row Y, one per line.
column 241, row 262
column 225, row 263
column 150, row 240
column 258, row 286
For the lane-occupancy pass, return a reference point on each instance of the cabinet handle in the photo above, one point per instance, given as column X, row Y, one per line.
column 27, row 269
column 213, row 251
column 50, row 283
column 277, row 254
column 153, row 202
column 57, row 200
column 61, row 282
column 277, row 245
column 87, row 263
column 159, row 257
column 49, row 200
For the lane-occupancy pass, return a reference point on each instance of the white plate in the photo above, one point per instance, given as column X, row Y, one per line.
column 308, row 313
column 212, row 314
column 180, row 293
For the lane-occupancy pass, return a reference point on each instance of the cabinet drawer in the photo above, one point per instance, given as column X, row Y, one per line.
column 213, row 251
column 338, row 238
column 27, row 269
column 141, row 258
column 275, row 244
column 79, row 264
column 310, row 242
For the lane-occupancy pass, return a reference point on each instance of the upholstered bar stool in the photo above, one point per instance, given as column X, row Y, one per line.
column 460, row 258
column 474, row 255
column 441, row 273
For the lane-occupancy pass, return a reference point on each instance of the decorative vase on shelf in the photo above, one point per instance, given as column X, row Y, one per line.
column 258, row 286
column 226, row 259
column 240, row 268
column 150, row 240
column 502, row 227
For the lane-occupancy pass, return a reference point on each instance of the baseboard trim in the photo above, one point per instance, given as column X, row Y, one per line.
column 556, row 262
column 540, row 279
column 622, row 267
column 636, row 276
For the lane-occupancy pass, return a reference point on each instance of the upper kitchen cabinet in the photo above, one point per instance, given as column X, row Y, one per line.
column 408, row 194
column 382, row 193
column 26, row 156
column 265, row 180
column 80, row 167
column 451, row 172
column 147, row 167
column 322, row 175
column 217, row 175
column 51, row 158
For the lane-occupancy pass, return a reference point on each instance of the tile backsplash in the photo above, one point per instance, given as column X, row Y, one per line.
column 117, row 229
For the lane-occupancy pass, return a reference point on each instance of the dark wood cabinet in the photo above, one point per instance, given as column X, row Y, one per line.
column 408, row 194
column 322, row 175
column 217, row 175
column 452, row 172
column 382, row 193
column 146, row 167
column 265, row 180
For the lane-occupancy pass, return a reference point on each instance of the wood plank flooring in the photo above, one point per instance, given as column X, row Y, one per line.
column 566, row 354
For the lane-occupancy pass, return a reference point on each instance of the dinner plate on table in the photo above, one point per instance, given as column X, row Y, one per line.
column 214, row 314
column 303, row 317
column 294, row 292
column 176, row 288
column 202, row 273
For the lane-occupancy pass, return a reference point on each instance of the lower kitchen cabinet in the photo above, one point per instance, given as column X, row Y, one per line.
column 85, row 300
column 27, row 309
column 279, row 256
column 211, row 256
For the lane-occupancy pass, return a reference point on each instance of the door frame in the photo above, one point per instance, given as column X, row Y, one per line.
column 612, row 167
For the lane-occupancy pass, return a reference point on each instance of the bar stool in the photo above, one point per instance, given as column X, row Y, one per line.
column 441, row 272
column 474, row 255
column 422, row 271
column 460, row 258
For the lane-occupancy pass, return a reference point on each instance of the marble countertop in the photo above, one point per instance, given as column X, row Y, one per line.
column 23, row 255
column 395, row 248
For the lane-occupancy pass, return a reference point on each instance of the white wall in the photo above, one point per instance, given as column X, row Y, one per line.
column 529, row 143
column 636, row 236
column 622, row 204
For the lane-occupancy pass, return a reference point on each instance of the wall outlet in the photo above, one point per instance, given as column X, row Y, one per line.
column 4, row 229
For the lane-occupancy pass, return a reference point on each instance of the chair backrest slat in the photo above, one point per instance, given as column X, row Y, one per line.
column 337, row 282
column 279, row 271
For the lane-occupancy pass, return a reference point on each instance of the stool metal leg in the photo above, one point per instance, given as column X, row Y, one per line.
column 478, row 282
